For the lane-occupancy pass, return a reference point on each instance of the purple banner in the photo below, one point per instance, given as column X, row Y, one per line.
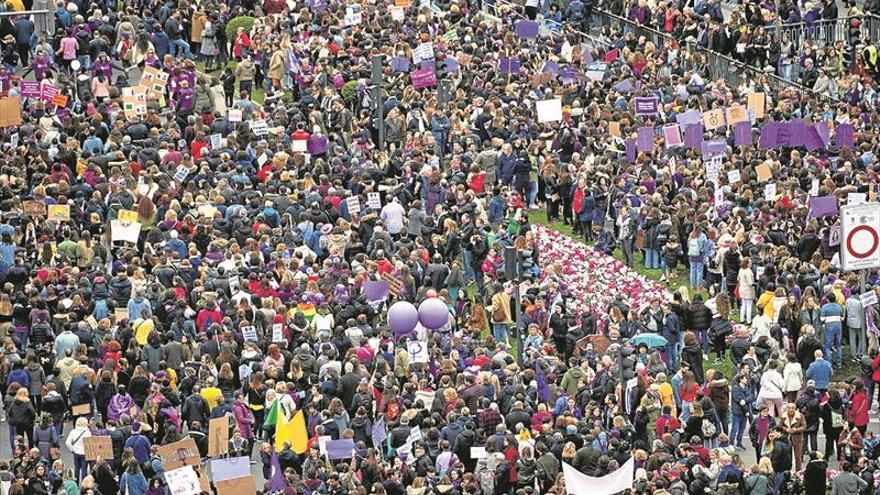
column 812, row 140
column 376, row 290
column 645, row 141
column 29, row 89
column 649, row 105
column 693, row 136
column 527, row 29
column 797, row 132
column 711, row 149
column 844, row 136
column 769, row 136
column 823, row 206
column 742, row 134
column 568, row 75
column 551, row 67
column 824, row 133
column 423, row 78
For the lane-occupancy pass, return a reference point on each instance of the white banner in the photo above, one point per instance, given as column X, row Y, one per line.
column 577, row 483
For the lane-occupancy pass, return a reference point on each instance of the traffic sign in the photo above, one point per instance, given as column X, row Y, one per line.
column 860, row 236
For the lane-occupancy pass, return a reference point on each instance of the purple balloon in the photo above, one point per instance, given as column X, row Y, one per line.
column 433, row 313
column 402, row 317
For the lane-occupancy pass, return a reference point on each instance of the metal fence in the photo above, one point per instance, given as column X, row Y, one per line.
column 849, row 30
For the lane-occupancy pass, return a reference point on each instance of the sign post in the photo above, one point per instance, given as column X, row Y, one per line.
column 860, row 239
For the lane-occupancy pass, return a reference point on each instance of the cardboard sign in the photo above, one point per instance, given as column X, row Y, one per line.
column 98, row 448
column 10, row 111
column 154, row 79
column 127, row 216
column 260, row 128
column 179, row 454
column 120, row 314
column 354, row 205
column 424, row 51
column 764, row 173
column 81, row 410
column 218, row 436
column 394, row 284
column 736, row 114
column 34, row 208
column 756, row 103
column 713, row 119
column 58, row 213
column 245, row 485
column 92, row 322
column 60, row 100
column 614, row 128
column 124, row 231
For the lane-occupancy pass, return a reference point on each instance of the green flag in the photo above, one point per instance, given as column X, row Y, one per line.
column 271, row 415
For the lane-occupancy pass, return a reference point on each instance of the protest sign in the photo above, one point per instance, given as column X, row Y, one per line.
column 757, row 103
column 763, row 172
column 374, row 200
column 58, row 213
column 249, row 333
column 614, row 128
column 278, row 333
column 672, row 135
column 34, row 208
column 736, row 114
column 647, row 105
column 183, row 481
column 645, row 139
column 354, row 205
column 418, row 351
column 527, row 29
column 733, row 176
column 98, row 447
column 423, row 78
column 218, row 436
column 82, row 409
column 230, row 468
column 127, row 216
column 244, row 485
column 178, row 454
column 770, row 191
column 353, row 15
column 823, row 206
column 124, row 231
column 549, row 110
column 10, row 111
column 713, row 119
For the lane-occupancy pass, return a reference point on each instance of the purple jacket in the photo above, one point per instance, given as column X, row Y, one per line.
column 244, row 419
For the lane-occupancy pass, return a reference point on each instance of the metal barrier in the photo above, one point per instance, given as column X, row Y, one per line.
column 828, row 32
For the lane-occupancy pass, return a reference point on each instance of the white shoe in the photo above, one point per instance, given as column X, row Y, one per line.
column 705, row 357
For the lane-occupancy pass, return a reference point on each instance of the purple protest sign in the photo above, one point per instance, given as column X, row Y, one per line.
column 340, row 449
column 823, row 206
column 646, row 139
column 631, row 150
column 812, row 140
column 527, row 29
column 844, row 136
column 317, row 144
column 510, row 66
column 451, row 64
column 672, row 135
column 423, row 78
column 400, row 64
column 376, row 290
column 711, row 149
column 587, row 56
column 797, row 132
column 693, row 136
column 646, row 105
column 317, row 6
column 568, row 75
column 29, row 89
column 48, row 92
column 625, row 86
column 769, row 136
column 742, row 133
column 428, row 64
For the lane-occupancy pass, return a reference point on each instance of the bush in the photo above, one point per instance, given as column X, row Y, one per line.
column 349, row 91
column 246, row 22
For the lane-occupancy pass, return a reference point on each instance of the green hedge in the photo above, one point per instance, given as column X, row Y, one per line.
column 247, row 22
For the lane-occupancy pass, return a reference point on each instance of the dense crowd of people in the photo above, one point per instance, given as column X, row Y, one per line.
column 203, row 217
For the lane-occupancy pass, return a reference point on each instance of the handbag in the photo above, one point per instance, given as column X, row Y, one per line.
column 640, row 239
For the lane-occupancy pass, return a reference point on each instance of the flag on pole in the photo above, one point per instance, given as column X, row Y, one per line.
column 543, row 389
column 271, row 415
column 294, row 431
column 277, row 482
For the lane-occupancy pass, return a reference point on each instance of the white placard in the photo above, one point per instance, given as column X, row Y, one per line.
column 260, row 128
column 278, row 333
column 713, row 169
column 374, row 200
column 868, row 298
column 181, row 174
column 249, row 333
column 733, row 176
column 13, row 140
column 415, row 435
column 183, row 481
column 549, row 110
column 235, row 115
column 397, row 13
column 353, row 15
column 354, row 205
column 299, row 146
column 262, row 159
column 216, row 141
column 855, row 199
column 814, row 187
column 418, row 351
column 124, row 231
column 478, row 452
column 424, row 51
column 770, row 191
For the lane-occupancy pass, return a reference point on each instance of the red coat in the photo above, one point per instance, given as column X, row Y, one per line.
column 858, row 410
column 875, row 365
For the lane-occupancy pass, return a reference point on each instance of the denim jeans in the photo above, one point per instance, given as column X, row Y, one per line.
column 672, row 355
column 177, row 45
column 652, row 258
column 533, row 192
column 833, row 343
column 696, row 274
column 627, row 246
column 703, row 339
column 80, row 466
column 737, row 429
column 499, row 331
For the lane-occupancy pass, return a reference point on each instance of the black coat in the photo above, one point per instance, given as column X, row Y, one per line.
column 700, row 317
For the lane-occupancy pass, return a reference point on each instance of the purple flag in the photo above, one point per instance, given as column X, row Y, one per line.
column 451, row 63
column 543, row 389
column 631, row 150
column 823, row 206
column 769, row 135
column 568, row 75
column 812, row 140
column 693, row 136
column 428, row 64
column 400, row 64
column 587, row 56
column 510, row 65
column 277, row 482
column 797, row 132
column 550, row 66
column 844, row 136
column 646, row 139
column 711, row 149
column 527, row 29
column 379, row 432
column 376, row 290
column 742, row 133
column 340, row 449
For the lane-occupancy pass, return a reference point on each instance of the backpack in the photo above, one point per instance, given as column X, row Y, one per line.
column 708, row 428
column 498, row 315
column 694, row 247
column 102, row 309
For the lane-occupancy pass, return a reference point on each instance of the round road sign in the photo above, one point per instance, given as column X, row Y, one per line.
column 862, row 241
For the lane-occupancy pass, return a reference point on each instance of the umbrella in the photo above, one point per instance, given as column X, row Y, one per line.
column 649, row 339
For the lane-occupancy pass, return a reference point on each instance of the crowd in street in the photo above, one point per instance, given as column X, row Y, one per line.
column 203, row 216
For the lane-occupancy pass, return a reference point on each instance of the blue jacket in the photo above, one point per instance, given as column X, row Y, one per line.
column 504, row 167
column 133, row 484
column 496, row 209
column 740, row 393
column 19, row 376
column 588, row 204
column 820, row 371
column 140, row 446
